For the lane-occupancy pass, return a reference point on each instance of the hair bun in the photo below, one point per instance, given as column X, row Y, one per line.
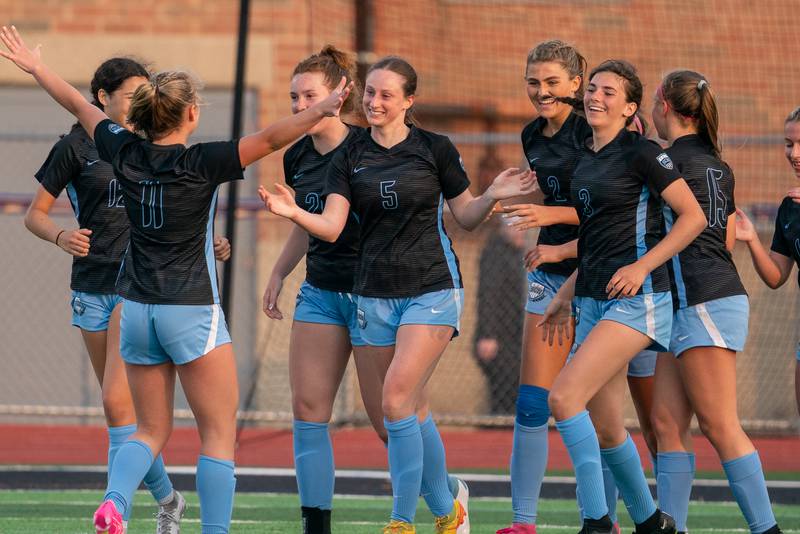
column 702, row 83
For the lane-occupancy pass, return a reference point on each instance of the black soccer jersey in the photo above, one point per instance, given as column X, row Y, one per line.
column 554, row 159
column 330, row 266
column 786, row 240
column 170, row 195
column 398, row 196
column 617, row 194
column 704, row 270
column 73, row 164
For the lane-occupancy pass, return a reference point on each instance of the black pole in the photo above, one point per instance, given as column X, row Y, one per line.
column 365, row 39
column 236, row 132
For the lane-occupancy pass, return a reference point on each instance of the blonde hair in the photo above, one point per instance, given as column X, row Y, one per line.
column 157, row 107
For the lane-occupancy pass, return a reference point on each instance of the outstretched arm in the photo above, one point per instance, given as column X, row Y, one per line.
column 30, row 61
column 327, row 225
column 773, row 268
column 470, row 211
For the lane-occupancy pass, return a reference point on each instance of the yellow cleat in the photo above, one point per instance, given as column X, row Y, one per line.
column 399, row 527
column 450, row 523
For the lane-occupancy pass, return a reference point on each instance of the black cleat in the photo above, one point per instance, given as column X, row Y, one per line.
column 597, row 526
column 774, row 530
column 658, row 523
column 316, row 520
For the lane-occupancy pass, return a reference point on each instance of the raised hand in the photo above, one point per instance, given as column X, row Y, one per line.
column 333, row 103
column 75, row 242
column 512, row 182
column 281, row 202
column 745, row 231
column 22, row 56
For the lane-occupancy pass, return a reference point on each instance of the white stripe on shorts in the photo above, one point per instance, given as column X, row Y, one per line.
column 457, row 296
column 711, row 328
column 650, row 315
column 212, row 332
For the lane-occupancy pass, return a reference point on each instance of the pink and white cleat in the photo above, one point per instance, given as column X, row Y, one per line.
column 108, row 520
column 518, row 528
column 615, row 529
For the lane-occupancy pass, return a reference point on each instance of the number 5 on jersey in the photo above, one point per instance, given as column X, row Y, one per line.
column 152, row 206
column 389, row 196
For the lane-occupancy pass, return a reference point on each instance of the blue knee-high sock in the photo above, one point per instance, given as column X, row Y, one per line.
column 215, row 486
column 626, row 466
column 746, row 479
column 405, row 466
column 579, row 437
column 529, row 452
column 610, row 490
column 156, row 479
column 674, row 483
column 435, row 485
column 313, row 462
column 132, row 460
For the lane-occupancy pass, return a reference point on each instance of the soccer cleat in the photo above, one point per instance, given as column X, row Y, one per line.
column 616, row 530
column 316, row 520
column 452, row 522
column 463, row 499
column 168, row 518
column 597, row 526
column 774, row 530
column 107, row 519
column 399, row 527
column 518, row 528
column 659, row 523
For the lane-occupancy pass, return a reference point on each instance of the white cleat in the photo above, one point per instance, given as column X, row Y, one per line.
column 168, row 518
column 463, row 498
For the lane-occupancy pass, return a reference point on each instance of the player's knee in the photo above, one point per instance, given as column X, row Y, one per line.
column 665, row 428
column 156, row 432
column 561, row 403
column 118, row 408
column 532, row 407
column 719, row 432
column 311, row 410
column 609, row 436
column 396, row 402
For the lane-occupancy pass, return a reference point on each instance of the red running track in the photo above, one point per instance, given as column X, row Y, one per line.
column 354, row 448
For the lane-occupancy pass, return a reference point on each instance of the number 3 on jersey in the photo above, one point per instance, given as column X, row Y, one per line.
column 389, row 196
column 152, row 206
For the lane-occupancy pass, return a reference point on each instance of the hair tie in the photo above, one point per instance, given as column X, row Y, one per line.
column 701, row 84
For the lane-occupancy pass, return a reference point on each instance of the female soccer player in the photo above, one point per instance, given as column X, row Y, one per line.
column 775, row 266
column 622, row 292
column 396, row 177
column 171, row 319
column 94, row 193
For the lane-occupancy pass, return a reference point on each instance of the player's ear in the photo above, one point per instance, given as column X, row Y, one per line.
column 102, row 97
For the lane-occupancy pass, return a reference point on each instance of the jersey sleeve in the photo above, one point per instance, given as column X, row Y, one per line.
column 60, row 167
column 338, row 176
column 655, row 167
column 779, row 242
column 288, row 167
column 218, row 161
column 110, row 137
column 452, row 175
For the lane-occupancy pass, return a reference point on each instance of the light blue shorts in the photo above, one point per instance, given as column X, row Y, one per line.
column 542, row 287
column 322, row 306
column 649, row 313
column 151, row 334
column 643, row 365
column 91, row 311
column 379, row 318
column 716, row 323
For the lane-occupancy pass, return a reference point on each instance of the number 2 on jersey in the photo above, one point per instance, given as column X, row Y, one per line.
column 152, row 205
column 555, row 189
column 390, row 200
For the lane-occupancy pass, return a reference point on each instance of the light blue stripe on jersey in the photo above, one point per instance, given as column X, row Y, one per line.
column 211, row 262
column 73, row 199
column 680, row 286
column 447, row 247
column 641, row 232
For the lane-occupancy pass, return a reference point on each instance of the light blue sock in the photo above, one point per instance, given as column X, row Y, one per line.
column 435, row 485
column 452, row 484
column 313, row 462
column 626, row 465
column 215, row 486
column 405, row 466
column 674, row 483
column 579, row 437
column 528, row 465
column 610, row 490
column 746, row 479
column 131, row 461
column 156, row 479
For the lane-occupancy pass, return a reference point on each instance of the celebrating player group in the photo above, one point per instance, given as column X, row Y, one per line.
column 631, row 281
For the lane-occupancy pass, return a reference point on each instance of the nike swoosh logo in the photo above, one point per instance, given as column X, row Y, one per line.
column 435, row 311
column 297, row 177
column 626, row 312
column 533, row 160
column 90, row 163
column 683, row 338
column 358, row 170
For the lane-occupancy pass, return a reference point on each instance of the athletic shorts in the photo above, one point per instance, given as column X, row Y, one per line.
column 321, row 306
column 151, row 334
column 649, row 313
column 379, row 318
column 92, row 311
column 643, row 365
column 542, row 287
column 716, row 323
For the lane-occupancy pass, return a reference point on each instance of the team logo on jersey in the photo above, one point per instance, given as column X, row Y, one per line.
column 115, row 128
column 362, row 319
column 664, row 160
column 78, row 307
column 535, row 291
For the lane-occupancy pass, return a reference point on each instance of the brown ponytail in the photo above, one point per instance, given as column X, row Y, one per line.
column 333, row 64
column 157, row 107
column 690, row 96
